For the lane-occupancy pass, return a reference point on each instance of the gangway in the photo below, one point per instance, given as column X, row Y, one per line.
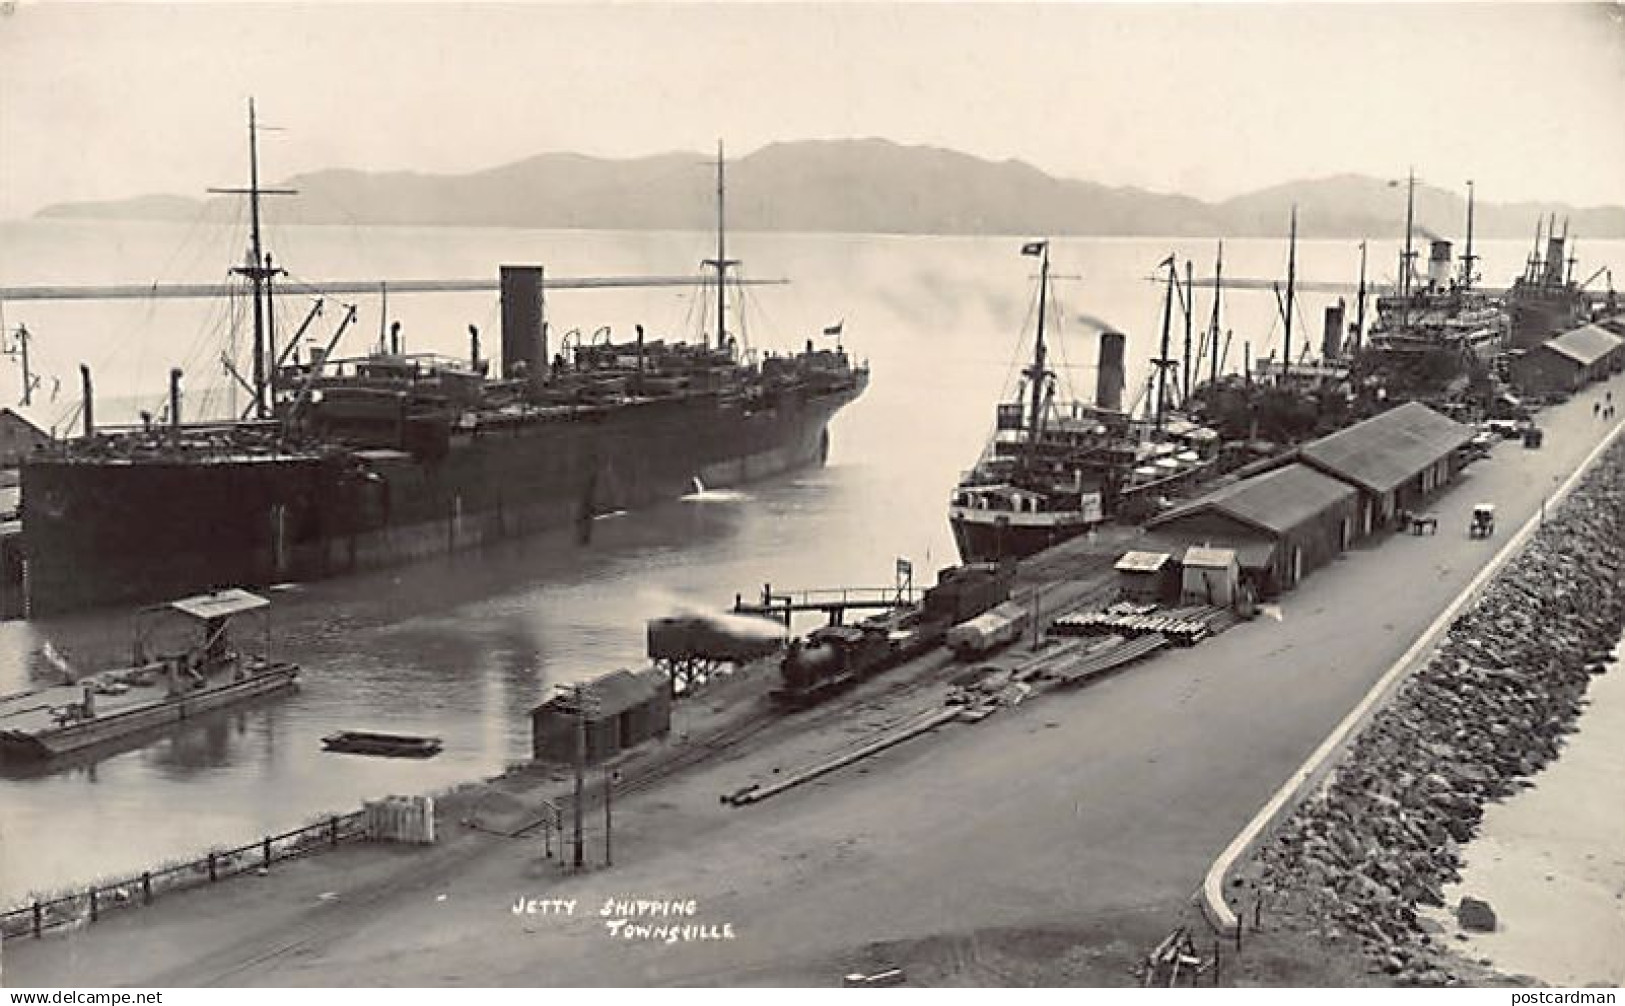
column 834, row 602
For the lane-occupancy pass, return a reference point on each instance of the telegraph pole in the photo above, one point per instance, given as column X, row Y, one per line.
column 580, row 692
column 609, row 789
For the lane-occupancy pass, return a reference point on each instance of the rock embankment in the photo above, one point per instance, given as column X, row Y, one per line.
column 1488, row 711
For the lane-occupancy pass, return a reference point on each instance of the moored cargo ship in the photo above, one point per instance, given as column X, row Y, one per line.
column 361, row 463
column 1055, row 469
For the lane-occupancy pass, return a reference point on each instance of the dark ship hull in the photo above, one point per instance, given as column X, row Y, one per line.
column 981, row 541
column 106, row 530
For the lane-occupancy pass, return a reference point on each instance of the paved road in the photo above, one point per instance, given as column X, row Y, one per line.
column 1090, row 809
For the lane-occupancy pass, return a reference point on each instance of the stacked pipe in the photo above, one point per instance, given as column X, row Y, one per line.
column 1184, row 631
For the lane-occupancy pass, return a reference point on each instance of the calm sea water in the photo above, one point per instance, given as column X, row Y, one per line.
column 463, row 646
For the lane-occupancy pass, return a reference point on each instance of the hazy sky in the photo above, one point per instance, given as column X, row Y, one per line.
column 111, row 100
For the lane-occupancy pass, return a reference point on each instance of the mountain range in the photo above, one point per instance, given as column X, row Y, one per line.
column 855, row 186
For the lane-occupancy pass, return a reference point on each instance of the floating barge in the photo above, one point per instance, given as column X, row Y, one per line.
column 116, row 705
column 384, row 745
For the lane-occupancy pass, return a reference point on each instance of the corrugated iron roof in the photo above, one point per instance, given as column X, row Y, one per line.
column 1142, row 562
column 1276, row 501
column 612, row 694
column 219, row 604
column 1585, row 345
column 1383, row 451
column 1207, row 557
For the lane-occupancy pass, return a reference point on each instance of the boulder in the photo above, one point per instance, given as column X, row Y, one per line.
column 1475, row 915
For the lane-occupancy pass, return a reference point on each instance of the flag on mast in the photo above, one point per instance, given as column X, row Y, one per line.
column 1034, row 247
column 835, row 329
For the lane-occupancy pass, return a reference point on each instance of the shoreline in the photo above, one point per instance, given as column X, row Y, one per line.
column 1550, row 861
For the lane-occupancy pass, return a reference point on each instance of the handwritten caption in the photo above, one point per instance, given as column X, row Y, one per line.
column 656, row 920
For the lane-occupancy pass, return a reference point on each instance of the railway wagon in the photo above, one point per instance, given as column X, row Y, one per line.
column 989, row 631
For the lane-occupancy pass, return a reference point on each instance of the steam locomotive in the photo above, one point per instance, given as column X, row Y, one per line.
column 836, row 655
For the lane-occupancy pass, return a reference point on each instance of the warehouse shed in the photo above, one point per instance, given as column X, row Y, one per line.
column 1397, row 460
column 1281, row 524
column 1568, row 362
column 624, row 709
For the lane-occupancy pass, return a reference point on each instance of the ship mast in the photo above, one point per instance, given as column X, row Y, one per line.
column 721, row 262
column 1213, row 324
column 258, row 268
column 1468, row 258
column 1291, row 288
column 1036, row 373
column 1163, row 362
column 1190, row 311
column 1359, row 309
column 1406, row 258
column 20, row 350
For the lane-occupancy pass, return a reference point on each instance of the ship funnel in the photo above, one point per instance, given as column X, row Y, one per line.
column 1109, row 377
column 89, row 399
column 1331, row 340
column 1439, row 264
column 175, row 400
column 524, row 337
column 1555, row 264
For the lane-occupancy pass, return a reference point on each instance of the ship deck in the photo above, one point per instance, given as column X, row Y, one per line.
column 33, row 711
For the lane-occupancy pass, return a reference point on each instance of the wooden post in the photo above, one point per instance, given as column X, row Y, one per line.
column 1258, row 912
column 333, row 830
column 39, row 918
column 609, row 787
column 214, row 873
column 1216, row 963
column 265, row 847
column 579, row 858
column 94, row 912
column 146, row 888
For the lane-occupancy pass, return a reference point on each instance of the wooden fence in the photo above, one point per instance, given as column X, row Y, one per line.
column 92, row 903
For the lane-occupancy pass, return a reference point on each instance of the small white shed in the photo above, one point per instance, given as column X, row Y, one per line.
column 1212, row 576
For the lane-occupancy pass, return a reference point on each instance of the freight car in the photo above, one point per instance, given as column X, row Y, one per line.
column 837, row 655
column 989, row 631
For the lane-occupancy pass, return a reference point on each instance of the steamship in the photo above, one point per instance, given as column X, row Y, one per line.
column 1435, row 338
column 351, row 464
column 1545, row 300
column 1053, row 470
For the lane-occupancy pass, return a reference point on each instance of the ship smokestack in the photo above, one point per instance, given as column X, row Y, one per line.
column 175, row 401
column 1109, row 376
column 474, row 348
column 1331, row 340
column 1439, row 265
column 1555, row 263
column 89, row 401
column 524, row 338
